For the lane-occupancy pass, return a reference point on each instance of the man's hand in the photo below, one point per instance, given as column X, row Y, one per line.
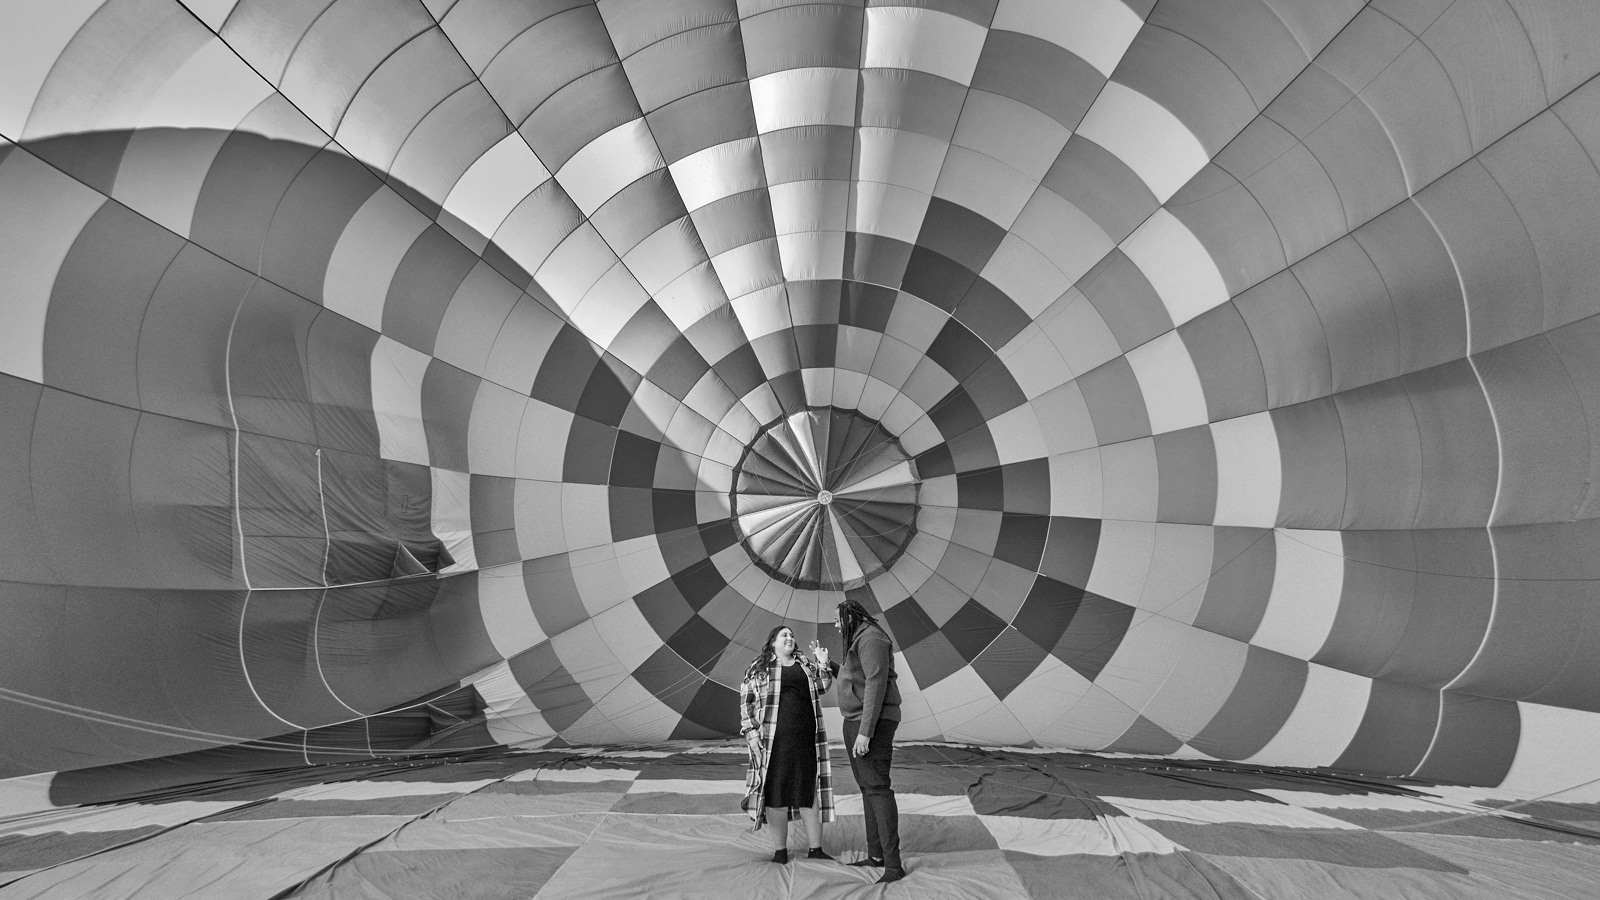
column 862, row 745
column 820, row 652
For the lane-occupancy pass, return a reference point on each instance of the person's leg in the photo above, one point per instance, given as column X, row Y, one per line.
column 778, row 830
column 874, row 848
column 879, row 799
column 812, row 817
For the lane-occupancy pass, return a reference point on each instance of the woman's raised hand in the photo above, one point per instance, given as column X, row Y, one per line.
column 820, row 652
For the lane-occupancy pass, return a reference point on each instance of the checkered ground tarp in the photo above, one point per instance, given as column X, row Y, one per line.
column 663, row 821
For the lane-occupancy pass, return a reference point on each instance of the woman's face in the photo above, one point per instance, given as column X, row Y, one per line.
column 783, row 642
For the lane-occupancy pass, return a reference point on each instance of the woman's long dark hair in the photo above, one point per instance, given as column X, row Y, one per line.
column 763, row 662
column 853, row 617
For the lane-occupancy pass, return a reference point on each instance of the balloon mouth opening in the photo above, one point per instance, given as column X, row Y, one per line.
column 825, row 499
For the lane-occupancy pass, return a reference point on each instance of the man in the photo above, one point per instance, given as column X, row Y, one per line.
column 869, row 699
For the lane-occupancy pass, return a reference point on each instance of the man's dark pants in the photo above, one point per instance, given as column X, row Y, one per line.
column 877, row 798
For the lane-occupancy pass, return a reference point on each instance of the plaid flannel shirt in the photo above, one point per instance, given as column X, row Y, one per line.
column 758, row 712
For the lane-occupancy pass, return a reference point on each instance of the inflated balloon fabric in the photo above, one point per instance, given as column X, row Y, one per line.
column 1213, row 378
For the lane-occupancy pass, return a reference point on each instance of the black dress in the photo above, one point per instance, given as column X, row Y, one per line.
column 792, row 771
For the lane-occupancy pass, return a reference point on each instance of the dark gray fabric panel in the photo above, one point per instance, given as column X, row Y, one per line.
column 266, row 363
column 1232, row 225
column 1311, row 447
column 1115, row 402
column 242, row 189
column 1395, row 733
column 1291, row 186
column 808, row 153
column 1243, row 561
column 540, row 60
column 447, row 398
column 308, row 219
column 1460, row 447
column 1191, row 82
column 638, row 211
column 1225, row 359
column 1262, row 50
column 183, row 342
column 734, row 221
column 1357, row 317
column 1383, row 456
column 579, row 112
column 1380, row 583
column 1290, row 338
column 1578, row 345
column 686, row 63
column 1544, row 446
column 422, row 287
column 910, row 101
column 1125, row 300
column 1039, row 74
column 1420, row 278
column 1262, row 700
column 1477, row 740
column 101, row 293
column 1187, row 464
column 1091, row 178
column 377, row 644
column 339, row 374
column 713, row 116
column 803, row 37
column 1452, row 601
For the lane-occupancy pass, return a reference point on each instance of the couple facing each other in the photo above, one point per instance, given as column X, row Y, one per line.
column 781, row 719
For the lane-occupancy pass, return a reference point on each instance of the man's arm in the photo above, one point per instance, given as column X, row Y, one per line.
column 876, row 663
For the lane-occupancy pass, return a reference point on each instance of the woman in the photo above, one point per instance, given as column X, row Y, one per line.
column 781, row 719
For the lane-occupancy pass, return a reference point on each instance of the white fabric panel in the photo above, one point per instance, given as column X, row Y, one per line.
column 811, row 96
column 610, row 163
column 41, row 214
column 1122, row 561
column 585, row 516
column 397, row 373
column 1076, row 484
column 750, row 268
column 212, row 89
column 368, row 253
column 1205, row 670
column 452, row 517
column 1051, row 837
column 212, row 12
column 1161, row 150
column 1066, row 236
column 1170, row 385
column 1034, row 362
column 903, row 37
column 1096, row 720
column 542, row 440
column 1305, row 592
column 495, row 183
column 1025, row 275
column 474, row 317
column 1249, row 471
column 1556, row 752
column 666, row 254
column 1248, row 812
column 520, row 344
column 629, row 635
column 507, row 616
column 1177, row 265
column 608, row 306
column 575, row 266
column 492, row 430
column 813, row 256
column 27, row 54
column 1064, row 419
column 799, row 206
column 25, row 794
column 1014, row 133
column 1177, row 583
column 887, row 209
column 984, row 185
column 1097, row 31
column 1323, row 722
column 538, row 225
column 892, row 156
column 996, row 725
column 694, row 294
column 1130, row 480
column 1017, row 436
column 762, row 313
column 539, row 531
column 719, row 171
column 1041, row 697
column 162, row 172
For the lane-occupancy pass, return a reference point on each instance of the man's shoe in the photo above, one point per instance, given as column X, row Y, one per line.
column 891, row 875
column 817, row 853
column 781, row 857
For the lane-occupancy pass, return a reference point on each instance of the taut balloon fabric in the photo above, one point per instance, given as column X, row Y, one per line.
column 1213, row 378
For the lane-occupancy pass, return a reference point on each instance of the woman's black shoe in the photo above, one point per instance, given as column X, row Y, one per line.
column 867, row 861
column 781, row 857
column 818, row 853
column 891, row 875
